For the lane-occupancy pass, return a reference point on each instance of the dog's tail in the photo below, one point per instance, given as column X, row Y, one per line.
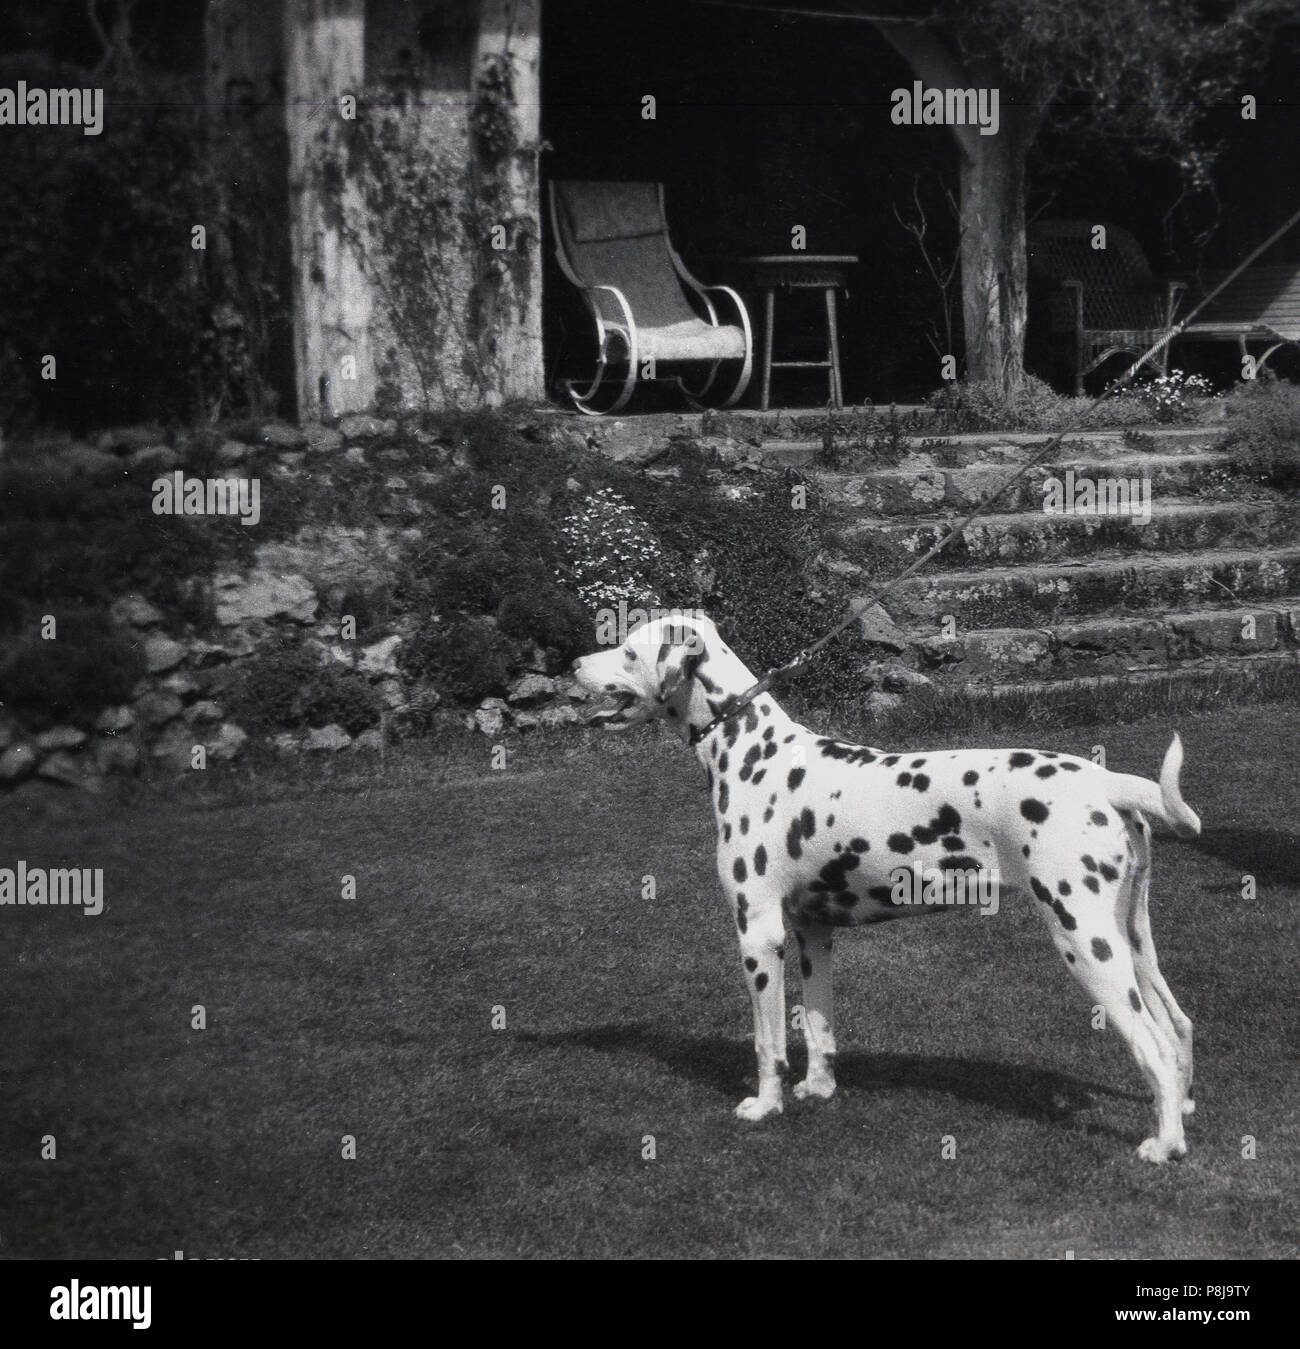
column 1164, row 801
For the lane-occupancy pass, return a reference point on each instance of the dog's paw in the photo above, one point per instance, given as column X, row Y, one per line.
column 1159, row 1150
column 820, row 1089
column 755, row 1108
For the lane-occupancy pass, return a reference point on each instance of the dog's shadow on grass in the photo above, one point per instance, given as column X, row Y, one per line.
column 1267, row 854
column 727, row 1066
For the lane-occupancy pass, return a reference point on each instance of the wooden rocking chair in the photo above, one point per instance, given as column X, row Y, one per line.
column 611, row 241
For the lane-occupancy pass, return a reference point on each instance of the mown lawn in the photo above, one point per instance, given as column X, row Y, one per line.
column 624, row 1018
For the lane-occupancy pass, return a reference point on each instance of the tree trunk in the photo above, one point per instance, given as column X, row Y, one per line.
column 994, row 267
column 510, row 292
column 325, row 59
column 994, row 270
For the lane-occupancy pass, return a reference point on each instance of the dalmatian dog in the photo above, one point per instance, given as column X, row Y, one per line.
column 817, row 834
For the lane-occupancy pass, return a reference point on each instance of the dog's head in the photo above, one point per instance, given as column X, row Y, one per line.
column 653, row 673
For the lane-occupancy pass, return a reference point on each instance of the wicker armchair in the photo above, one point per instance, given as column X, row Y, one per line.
column 611, row 241
column 1103, row 300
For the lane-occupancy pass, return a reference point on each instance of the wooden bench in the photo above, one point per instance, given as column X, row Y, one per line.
column 1261, row 305
column 1104, row 300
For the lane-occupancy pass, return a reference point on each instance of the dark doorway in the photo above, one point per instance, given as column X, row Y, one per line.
column 762, row 122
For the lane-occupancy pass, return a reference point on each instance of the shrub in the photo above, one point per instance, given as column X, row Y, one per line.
column 1173, row 398
column 465, row 659
column 972, row 405
column 292, row 688
column 90, row 664
column 1264, row 430
column 550, row 617
column 612, row 552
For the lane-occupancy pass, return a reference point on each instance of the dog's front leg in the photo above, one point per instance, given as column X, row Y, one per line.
column 762, row 953
column 815, row 940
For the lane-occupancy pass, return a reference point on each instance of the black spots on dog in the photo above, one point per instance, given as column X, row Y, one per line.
column 794, row 839
column 1071, row 767
column 1045, row 771
column 611, row 688
column 752, row 755
column 960, row 863
column 835, row 749
column 1069, row 957
column 900, row 843
column 923, row 834
column 920, row 782
column 759, row 776
column 760, row 860
column 834, row 875
column 835, row 795
column 795, row 778
column 970, row 777
column 1040, row 890
column 805, row 967
column 979, row 805
column 953, row 843
column 1063, row 887
column 713, row 750
column 760, row 982
column 807, row 822
column 1020, row 759
column 724, row 797
column 1024, row 848
column 744, row 824
column 1101, row 948
column 751, row 718
column 1123, row 813
column 947, row 821
column 1068, row 921
column 1134, row 1001
column 780, row 952
column 1033, row 810
column 741, row 902
column 769, row 733
column 830, row 820
column 741, row 921
column 788, row 738
column 1092, row 884
column 859, row 845
column 1099, row 818
column 1089, row 861
column 767, row 815
column 882, row 894
column 751, row 964
column 890, row 760
column 726, row 833
column 918, row 763
column 1108, row 872
column 766, row 709
column 769, row 749
column 730, row 730
column 739, row 870
column 722, row 762
column 904, row 779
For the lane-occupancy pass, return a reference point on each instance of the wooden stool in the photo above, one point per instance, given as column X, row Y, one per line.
column 802, row 271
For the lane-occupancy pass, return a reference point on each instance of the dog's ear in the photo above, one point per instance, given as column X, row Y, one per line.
column 680, row 655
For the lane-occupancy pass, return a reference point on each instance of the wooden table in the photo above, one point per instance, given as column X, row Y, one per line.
column 826, row 272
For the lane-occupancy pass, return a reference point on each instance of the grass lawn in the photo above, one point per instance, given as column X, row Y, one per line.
column 624, row 1017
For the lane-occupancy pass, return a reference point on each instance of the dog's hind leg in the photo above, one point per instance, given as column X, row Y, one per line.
column 1151, row 982
column 762, row 953
column 815, row 940
column 1105, row 969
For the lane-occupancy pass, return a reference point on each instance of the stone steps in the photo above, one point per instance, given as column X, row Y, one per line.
column 1114, row 646
column 1182, row 524
column 1210, row 583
